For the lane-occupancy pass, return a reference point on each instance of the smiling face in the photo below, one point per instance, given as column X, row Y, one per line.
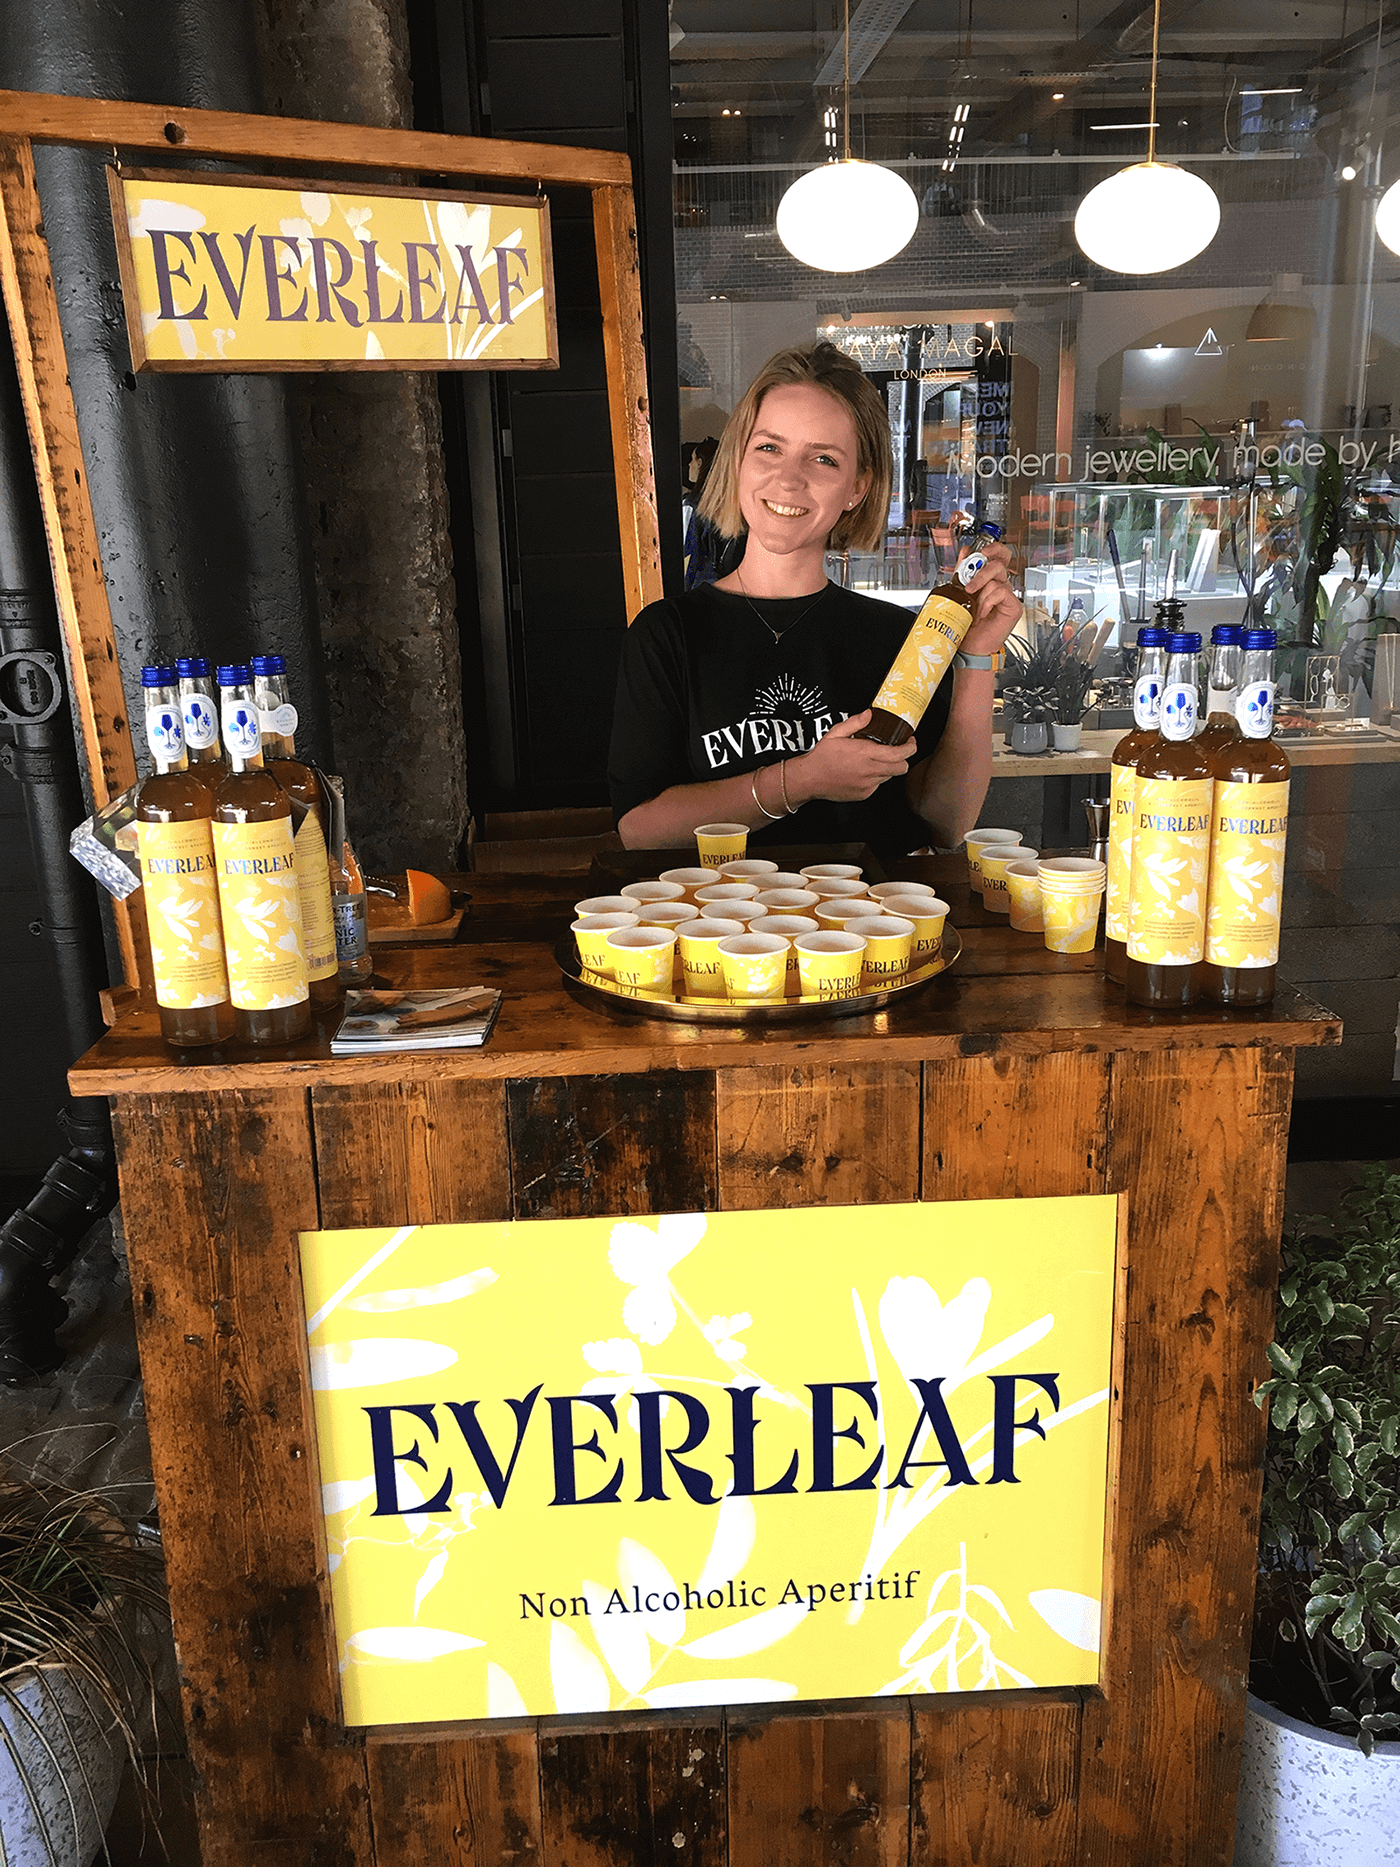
column 799, row 472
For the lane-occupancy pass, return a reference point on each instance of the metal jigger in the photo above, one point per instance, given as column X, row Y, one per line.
column 1096, row 810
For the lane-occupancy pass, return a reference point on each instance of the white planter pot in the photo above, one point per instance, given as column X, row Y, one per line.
column 1308, row 1798
column 1067, row 738
column 56, row 1781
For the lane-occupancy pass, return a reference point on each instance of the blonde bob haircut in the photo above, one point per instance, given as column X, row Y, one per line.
column 822, row 366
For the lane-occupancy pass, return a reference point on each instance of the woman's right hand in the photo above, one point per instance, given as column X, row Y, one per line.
column 845, row 768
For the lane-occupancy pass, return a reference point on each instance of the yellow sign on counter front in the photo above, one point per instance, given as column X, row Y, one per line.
column 243, row 273
column 593, row 1465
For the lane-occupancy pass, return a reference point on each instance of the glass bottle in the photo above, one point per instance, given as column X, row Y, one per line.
column 1171, row 844
column 175, row 838
column 1249, row 828
column 1222, row 688
column 199, row 713
column 257, row 880
column 347, row 896
column 277, row 718
column 927, row 651
column 1147, row 710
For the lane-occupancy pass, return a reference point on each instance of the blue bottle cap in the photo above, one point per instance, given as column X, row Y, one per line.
column 237, row 674
column 160, row 675
column 1183, row 642
column 192, row 668
column 1261, row 638
column 269, row 664
column 1226, row 635
column 988, row 529
column 1152, row 637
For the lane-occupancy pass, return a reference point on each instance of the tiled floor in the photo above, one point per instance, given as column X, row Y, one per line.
column 86, row 1425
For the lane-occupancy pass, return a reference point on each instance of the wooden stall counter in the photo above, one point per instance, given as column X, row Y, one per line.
column 1020, row 1073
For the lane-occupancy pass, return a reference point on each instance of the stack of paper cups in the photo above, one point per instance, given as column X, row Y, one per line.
column 1071, row 889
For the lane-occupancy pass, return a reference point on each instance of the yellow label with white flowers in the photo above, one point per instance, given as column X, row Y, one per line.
column 261, row 913
column 1120, row 851
column 924, row 658
column 600, row 1465
column 1248, row 831
column 182, row 913
column 314, row 893
column 1171, row 855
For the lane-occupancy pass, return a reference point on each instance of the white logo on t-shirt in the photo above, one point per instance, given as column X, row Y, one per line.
column 766, row 729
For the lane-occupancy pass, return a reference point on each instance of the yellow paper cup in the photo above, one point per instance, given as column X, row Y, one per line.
column 836, row 887
column 643, row 958
column 591, row 932
column 718, row 843
column 993, row 861
column 833, row 915
column 928, row 914
column 787, row 900
column 784, row 878
column 650, row 892
column 752, row 869
column 1023, row 886
column 744, row 911
column 788, row 927
column 889, row 942
column 719, row 895
column 605, row 904
column 828, row 964
column 667, row 913
column 973, row 842
column 702, row 975
column 1071, row 889
column 688, row 880
column 755, row 965
column 829, row 871
column 881, row 891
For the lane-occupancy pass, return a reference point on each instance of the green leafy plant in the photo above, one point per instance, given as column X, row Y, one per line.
column 1328, row 1621
column 1073, row 691
column 79, row 1595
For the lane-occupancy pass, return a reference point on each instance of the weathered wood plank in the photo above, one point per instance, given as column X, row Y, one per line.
column 457, row 1802
column 824, row 1134
column 995, row 1779
column 823, row 1791
column 411, row 1153
column 629, row 407
column 213, row 1193
column 648, row 1797
column 1198, row 1140
column 1002, row 1127
column 586, row 1145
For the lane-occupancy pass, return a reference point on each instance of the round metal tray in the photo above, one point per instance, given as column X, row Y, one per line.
column 679, row 1009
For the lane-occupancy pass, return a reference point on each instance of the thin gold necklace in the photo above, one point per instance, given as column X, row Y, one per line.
column 777, row 634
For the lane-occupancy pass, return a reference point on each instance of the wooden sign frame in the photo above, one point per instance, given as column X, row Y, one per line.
column 26, row 279
column 126, row 265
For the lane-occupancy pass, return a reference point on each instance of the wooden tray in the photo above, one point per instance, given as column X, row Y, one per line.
column 679, row 1009
column 389, row 924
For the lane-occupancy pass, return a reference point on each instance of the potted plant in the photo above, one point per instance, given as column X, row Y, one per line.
column 1073, row 689
column 78, row 1596
column 1028, row 694
column 1321, row 1766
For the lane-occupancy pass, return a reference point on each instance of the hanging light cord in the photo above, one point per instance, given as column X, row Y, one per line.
column 1152, row 103
column 846, row 84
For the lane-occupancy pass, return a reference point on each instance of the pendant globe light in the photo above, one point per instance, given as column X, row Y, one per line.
column 1388, row 218
column 847, row 216
column 1150, row 217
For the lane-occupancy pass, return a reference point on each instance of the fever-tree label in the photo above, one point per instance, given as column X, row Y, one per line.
column 1248, row 831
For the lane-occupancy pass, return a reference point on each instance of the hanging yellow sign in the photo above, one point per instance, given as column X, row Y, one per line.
column 243, row 273
column 596, row 1465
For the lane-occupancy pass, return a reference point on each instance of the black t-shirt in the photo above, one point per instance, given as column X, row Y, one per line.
column 705, row 692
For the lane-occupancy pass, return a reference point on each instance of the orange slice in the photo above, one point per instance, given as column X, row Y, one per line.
column 428, row 899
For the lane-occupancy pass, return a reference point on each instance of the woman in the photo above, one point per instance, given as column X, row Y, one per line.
column 741, row 700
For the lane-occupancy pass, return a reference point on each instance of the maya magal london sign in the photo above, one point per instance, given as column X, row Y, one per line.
column 593, row 1465
column 242, row 273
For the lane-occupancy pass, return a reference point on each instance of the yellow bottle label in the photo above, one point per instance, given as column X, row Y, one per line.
column 1171, row 854
column 182, row 914
column 262, row 914
column 317, row 909
column 925, row 657
column 1249, row 827
column 1120, row 851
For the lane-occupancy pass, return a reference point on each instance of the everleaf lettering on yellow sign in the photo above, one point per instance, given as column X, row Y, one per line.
column 227, row 276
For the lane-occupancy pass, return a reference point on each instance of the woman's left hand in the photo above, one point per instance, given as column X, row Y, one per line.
column 996, row 608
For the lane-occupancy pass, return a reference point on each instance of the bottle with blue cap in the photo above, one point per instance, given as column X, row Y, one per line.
column 256, row 866
column 1147, row 711
column 175, row 839
column 1222, row 687
column 1249, row 830
column 1171, row 844
column 199, row 713
column 277, row 719
column 927, row 651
